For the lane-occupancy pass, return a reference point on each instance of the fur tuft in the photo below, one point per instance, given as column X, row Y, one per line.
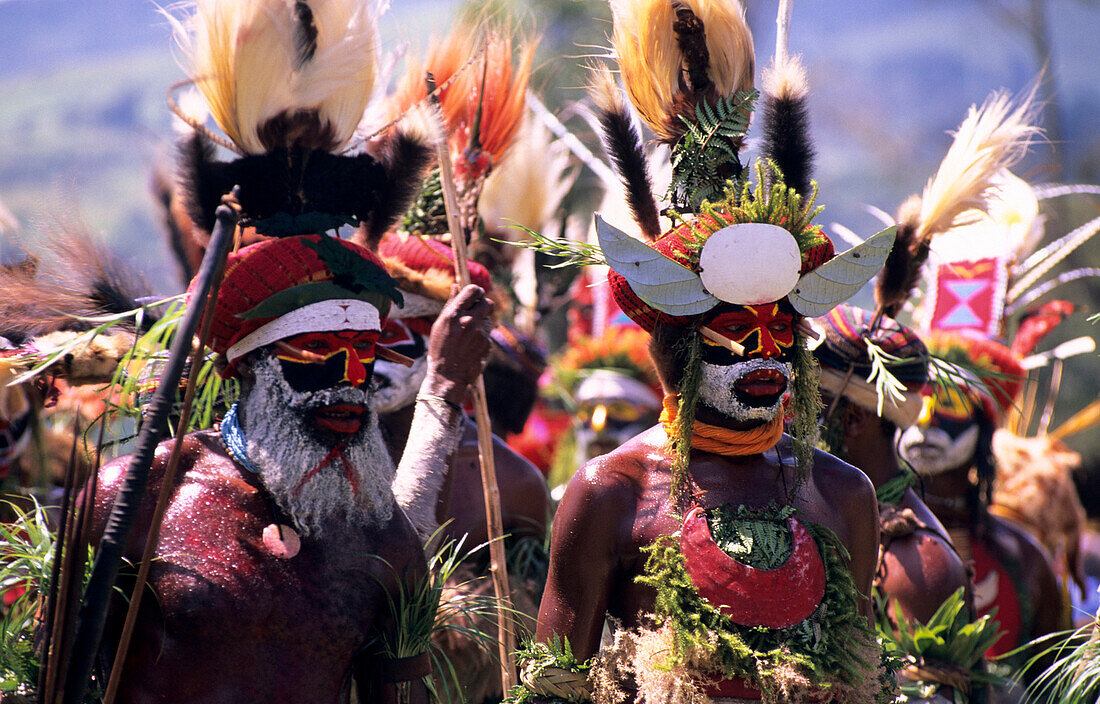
column 76, row 278
column 282, row 74
column 901, row 272
column 624, row 144
column 787, row 125
column 203, row 180
column 405, row 157
column 655, row 39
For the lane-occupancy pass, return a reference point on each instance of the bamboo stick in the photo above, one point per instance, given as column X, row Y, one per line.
column 490, row 489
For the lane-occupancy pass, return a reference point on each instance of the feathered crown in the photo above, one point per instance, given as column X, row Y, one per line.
column 482, row 82
column 287, row 82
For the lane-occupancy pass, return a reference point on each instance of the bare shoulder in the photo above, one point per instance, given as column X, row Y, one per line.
column 840, row 482
column 621, row 473
column 1029, row 550
column 112, row 475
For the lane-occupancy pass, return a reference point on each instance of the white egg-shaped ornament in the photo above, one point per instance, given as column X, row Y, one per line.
column 750, row 263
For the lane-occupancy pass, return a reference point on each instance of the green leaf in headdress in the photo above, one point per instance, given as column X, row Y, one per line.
column 349, row 271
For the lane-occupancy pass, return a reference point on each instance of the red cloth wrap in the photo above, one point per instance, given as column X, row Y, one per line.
column 258, row 271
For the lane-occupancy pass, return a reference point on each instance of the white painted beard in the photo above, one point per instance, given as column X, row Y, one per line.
column 395, row 385
column 932, row 451
column 716, row 389
column 283, row 442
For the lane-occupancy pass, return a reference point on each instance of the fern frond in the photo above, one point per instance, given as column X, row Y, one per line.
column 573, row 252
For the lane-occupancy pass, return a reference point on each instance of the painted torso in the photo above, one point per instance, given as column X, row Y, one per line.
column 231, row 622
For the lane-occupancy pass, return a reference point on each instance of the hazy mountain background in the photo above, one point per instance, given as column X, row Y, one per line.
column 83, row 115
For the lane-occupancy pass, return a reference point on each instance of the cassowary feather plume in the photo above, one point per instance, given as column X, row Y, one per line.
column 623, row 144
column 991, row 139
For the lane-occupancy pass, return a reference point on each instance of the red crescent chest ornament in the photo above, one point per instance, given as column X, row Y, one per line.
column 748, row 596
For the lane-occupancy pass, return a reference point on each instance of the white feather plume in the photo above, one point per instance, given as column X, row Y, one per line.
column 243, row 57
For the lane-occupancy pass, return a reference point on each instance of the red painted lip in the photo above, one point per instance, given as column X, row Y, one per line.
column 345, row 418
column 762, row 382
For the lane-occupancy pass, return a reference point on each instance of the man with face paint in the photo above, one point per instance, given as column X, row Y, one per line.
column 424, row 271
column 284, row 542
column 634, row 538
column 950, row 447
column 918, row 567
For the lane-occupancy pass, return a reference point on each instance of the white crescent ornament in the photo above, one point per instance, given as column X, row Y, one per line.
column 750, row 263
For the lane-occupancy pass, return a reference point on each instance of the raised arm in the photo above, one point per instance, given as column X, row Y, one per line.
column 457, row 350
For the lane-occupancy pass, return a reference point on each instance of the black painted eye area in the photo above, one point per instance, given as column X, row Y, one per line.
column 307, row 377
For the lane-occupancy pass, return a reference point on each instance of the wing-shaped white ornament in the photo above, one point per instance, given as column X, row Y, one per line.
column 838, row 279
column 661, row 282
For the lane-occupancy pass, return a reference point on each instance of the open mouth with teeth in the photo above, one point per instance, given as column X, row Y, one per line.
column 344, row 418
column 760, row 388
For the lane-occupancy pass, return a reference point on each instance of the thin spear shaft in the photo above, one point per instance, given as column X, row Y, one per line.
column 167, row 489
column 116, row 536
column 490, row 490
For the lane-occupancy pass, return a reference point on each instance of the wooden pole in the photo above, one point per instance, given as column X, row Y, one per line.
column 167, row 488
column 490, row 491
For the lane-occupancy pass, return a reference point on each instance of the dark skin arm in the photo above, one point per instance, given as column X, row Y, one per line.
column 584, row 547
column 458, row 346
column 367, row 665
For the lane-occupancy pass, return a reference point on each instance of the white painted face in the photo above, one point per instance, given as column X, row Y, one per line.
column 297, row 461
column 611, row 409
column 405, row 331
column 932, row 450
column 720, row 390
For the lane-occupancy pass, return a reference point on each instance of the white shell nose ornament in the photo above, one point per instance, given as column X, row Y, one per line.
column 750, row 263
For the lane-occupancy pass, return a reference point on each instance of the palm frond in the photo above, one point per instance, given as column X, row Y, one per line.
column 886, row 384
column 1074, row 674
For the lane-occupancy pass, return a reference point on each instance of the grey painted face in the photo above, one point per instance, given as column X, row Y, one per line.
column 718, row 391
column 283, row 441
column 933, row 451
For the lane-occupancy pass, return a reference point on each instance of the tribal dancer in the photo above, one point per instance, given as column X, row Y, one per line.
column 918, row 569
column 734, row 561
column 982, row 222
column 285, row 554
column 424, row 271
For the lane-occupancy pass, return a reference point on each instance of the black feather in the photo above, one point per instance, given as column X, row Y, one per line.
column 624, row 145
column 406, row 161
column 787, row 140
column 203, row 179
column 900, row 273
column 305, row 34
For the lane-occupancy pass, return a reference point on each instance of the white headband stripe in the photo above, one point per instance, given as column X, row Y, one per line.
column 332, row 315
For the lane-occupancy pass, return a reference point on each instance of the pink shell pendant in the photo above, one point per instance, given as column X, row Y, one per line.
column 748, row 596
column 285, row 546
